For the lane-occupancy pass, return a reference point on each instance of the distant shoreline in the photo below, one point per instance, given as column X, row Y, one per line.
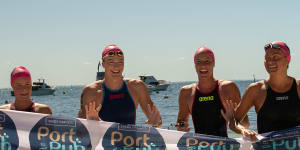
column 3, row 88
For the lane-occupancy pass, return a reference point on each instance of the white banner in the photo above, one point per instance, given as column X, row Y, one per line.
column 31, row 131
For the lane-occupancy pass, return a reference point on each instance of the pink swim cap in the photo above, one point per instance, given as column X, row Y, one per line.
column 111, row 48
column 281, row 46
column 19, row 71
column 204, row 49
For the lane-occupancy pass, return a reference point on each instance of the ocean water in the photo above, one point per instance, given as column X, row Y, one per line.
column 68, row 104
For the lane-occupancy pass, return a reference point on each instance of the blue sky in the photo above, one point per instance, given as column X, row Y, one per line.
column 62, row 40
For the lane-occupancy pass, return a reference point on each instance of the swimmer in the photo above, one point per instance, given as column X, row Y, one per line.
column 204, row 100
column 21, row 84
column 115, row 99
column 276, row 99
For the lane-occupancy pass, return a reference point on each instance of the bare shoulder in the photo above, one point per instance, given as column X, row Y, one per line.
column 256, row 92
column 187, row 89
column 6, row 106
column 298, row 86
column 185, row 98
column 93, row 87
column 136, row 84
column 42, row 108
column 229, row 90
column 298, row 82
column 91, row 92
column 41, row 105
column 139, row 92
column 257, row 86
column 226, row 84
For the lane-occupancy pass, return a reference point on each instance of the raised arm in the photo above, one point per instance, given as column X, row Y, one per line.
column 89, row 104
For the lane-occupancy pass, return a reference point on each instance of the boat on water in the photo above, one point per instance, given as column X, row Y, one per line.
column 40, row 88
column 153, row 84
column 100, row 74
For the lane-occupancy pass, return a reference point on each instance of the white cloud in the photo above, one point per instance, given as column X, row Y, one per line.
column 181, row 58
column 87, row 63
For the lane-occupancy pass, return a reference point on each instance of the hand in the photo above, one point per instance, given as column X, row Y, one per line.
column 229, row 107
column 182, row 126
column 154, row 116
column 249, row 134
column 91, row 112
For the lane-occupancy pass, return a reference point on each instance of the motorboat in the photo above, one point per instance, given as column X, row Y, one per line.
column 100, row 74
column 40, row 88
column 153, row 84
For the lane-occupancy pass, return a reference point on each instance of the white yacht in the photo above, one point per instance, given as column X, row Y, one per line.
column 40, row 88
column 153, row 84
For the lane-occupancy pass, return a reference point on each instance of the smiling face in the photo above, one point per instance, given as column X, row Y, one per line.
column 22, row 88
column 275, row 62
column 204, row 65
column 114, row 66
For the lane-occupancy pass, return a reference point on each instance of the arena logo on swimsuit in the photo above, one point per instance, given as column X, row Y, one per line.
column 55, row 133
column 9, row 139
column 206, row 98
column 283, row 98
column 132, row 137
column 194, row 141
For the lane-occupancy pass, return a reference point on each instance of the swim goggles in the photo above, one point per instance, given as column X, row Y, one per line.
column 118, row 53
column 274, row 46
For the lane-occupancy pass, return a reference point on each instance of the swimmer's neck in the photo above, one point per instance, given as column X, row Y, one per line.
column 113, row 84
column 207, row 85
column 278, row 80
column 21, row 104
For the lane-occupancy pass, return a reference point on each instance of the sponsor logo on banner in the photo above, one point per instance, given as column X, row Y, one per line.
column 286, row 140
column 56, row 133
column 9, row 139
column 193, row 141
column 132, row 137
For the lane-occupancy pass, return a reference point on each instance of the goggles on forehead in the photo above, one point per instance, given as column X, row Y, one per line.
column 282, row 47
column 274, row 46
